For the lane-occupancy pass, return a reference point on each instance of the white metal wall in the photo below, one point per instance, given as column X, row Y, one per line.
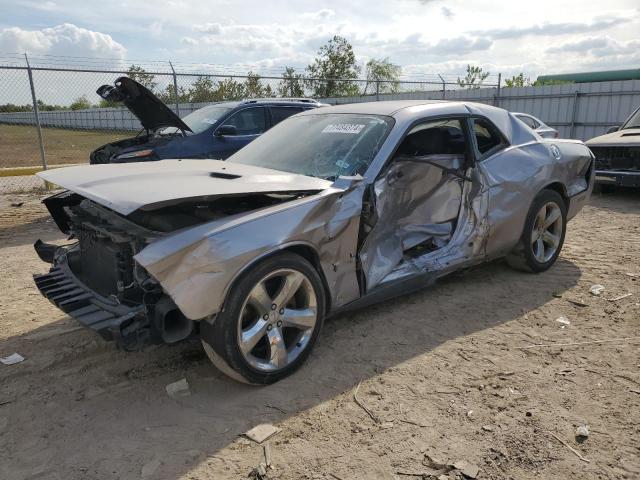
column 582, row 110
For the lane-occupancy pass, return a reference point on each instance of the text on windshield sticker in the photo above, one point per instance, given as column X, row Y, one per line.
column 351, row 128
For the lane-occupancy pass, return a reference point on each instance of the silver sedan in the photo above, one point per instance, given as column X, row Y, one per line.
column 330, row 210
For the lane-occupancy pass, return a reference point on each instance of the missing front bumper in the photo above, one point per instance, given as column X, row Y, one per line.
column 126, row 325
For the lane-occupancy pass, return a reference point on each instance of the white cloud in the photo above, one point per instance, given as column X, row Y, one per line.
column 552, row 29
column 65, row 39
column 598, row 46
column 319, row 16
column 447, row 13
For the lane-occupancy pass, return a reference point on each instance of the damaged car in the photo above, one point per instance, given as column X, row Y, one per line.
column 618, row 154
column 216, row 131
column 331, row 210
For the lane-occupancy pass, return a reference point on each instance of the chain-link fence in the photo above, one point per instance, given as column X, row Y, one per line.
column 50, row 114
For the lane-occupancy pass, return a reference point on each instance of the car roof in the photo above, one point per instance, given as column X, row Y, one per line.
column 407, row 111
column 287, row 102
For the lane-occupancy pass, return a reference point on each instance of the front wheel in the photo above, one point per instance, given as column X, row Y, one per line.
column 271, row 321
column 543, row 234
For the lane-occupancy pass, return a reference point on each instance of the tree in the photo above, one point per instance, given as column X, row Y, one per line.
column 382, row 76
column 80, row 103
column 141, row 76
column 517, row 81
column 291, row 84
column 474, row 78
column 334, row 64
column 230, row 89
column 203, row 90
column 10, row 107
column 108, row 104
column 169, row 98
column 253, row 87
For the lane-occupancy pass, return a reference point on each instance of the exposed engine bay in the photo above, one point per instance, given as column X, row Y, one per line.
column 96, row 279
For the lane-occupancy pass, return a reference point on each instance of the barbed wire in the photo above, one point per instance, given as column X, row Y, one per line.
column 68, row 62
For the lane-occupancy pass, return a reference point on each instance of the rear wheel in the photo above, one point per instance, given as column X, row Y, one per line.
column 543, row 234
column 272, row 319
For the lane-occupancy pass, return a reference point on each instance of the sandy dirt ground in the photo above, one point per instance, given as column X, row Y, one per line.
column 442, row 372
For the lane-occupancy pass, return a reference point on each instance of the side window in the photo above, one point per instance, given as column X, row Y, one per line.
column 250, row 121
column 487, row 137
column 278, row 114
column 528, row 121
column 438, row 137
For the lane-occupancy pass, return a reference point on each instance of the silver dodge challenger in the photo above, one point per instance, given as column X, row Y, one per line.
column 331, row 210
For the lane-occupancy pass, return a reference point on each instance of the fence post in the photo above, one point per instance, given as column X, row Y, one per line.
column 175, row 88
column 576, row 95
column 377, row 90
column 444, row 87
column 498, row 90
column 36, row 114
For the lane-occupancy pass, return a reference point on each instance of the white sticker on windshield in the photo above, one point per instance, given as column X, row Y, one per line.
column 210, row 121
column 352, row 128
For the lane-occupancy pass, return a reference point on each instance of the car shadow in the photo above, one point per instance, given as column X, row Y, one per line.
column 79, row 400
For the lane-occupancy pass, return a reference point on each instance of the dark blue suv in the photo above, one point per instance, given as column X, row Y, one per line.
column 215, row 131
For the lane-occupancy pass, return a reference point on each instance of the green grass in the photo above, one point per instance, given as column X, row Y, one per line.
column 19, row 145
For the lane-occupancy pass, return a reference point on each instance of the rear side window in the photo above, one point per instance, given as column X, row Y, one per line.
column 487, row 136
column 529, row 122
column 278, row 114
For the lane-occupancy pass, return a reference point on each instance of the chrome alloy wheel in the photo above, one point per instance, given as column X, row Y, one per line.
column 547, row 232
column 277, row 320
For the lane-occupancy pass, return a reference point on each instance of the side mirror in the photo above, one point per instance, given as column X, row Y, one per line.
column 615, row 128
column 226, row 131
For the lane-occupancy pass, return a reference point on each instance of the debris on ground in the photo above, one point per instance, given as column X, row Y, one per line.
column 577, row 303
column 261, row 432
column 178, row 389
column 266, row 450
column 363, row 406
column 17, row 204
column 563, row 320
column 582, row 433
column 596, row 289
column 12, row 359
column 619, row 297
column 573, row 450
column 441, row 468
column 258, row 473
column 467, row 469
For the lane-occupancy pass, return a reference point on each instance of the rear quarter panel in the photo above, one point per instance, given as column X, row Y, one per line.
column 517, row 174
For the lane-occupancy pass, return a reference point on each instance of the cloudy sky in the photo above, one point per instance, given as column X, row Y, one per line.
column 423, row 36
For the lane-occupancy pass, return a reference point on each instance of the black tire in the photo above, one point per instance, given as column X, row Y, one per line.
column 523, row 255
column 220, row 335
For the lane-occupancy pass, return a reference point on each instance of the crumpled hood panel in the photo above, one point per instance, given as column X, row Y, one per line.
column 128, row 187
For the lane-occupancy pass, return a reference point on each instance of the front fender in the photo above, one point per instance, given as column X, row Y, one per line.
column 196, row 267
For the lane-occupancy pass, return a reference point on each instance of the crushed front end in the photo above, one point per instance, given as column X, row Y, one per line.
column 96, row 280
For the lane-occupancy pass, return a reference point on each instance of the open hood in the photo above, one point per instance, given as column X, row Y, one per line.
column 628, row 137
column 149, row 109
column 128, row 187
